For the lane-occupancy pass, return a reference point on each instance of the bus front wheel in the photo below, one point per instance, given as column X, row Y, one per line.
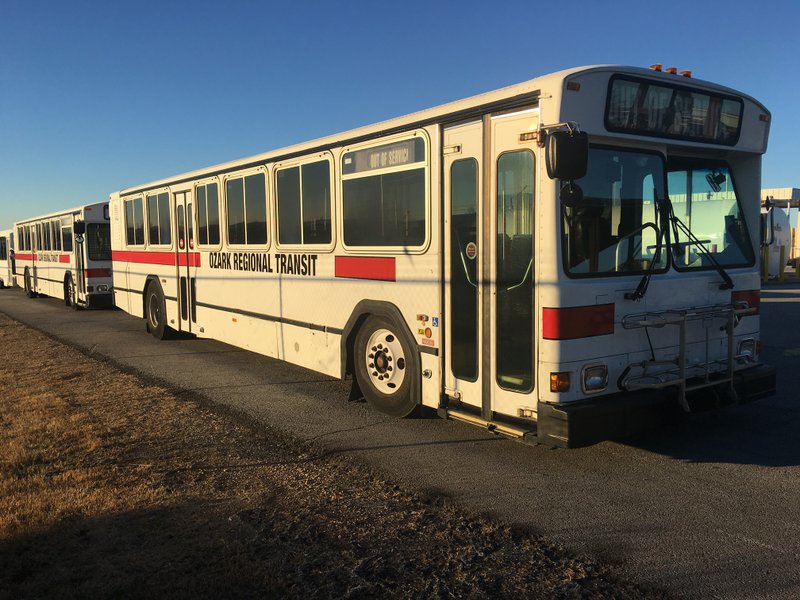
column 156, row 311
column 69, row 293
column 28, row 286
column 386, row 367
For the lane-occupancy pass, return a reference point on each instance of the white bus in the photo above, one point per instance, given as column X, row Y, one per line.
column 561, row 260
column 66, row 255
column 7, row 258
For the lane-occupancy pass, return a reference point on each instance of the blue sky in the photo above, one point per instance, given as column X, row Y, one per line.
column 97, row 96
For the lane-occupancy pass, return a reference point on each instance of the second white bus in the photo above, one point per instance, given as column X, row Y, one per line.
column 66, row 255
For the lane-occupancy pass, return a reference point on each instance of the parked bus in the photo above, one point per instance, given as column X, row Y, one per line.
column 776, row 237
column 6, row 258
column 557, row 261
column 66, row 255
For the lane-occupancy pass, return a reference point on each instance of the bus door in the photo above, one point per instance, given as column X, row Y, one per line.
column 186, row 261
column 36, row 237
column 79, row 256
column 489, row 172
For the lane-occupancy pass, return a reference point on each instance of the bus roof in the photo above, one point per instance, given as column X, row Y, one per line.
column 62, row 213
column 506, row 98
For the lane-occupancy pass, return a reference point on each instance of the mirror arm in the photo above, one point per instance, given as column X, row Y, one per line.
column 541, row 133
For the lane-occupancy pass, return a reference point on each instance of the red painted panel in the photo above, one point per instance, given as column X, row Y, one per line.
column 97, row 272
column 752, row 297
column 64, row 258
column 150, row 258
column 577, row 322
column 366, row 267
column 193, row 259
column 21, row 256
column 156, row 258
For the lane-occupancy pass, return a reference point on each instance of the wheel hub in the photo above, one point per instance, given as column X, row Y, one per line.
column 385, row 361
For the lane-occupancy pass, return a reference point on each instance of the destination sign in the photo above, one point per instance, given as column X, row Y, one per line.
column 397, row 154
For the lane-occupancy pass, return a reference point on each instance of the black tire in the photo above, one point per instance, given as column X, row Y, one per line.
column 70, row 294
column 386, row 367
column 28, row 286
column 155, row 311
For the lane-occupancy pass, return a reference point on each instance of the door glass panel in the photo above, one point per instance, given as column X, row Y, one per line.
column 463, row 268
column 514, row 310
column 181, row 230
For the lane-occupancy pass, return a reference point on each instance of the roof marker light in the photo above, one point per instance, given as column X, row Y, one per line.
column 573, row 86
column 656, row 67
column 686, row 73
column 672, row 70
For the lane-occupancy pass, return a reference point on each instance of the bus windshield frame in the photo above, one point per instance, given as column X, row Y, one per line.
column 614, row 231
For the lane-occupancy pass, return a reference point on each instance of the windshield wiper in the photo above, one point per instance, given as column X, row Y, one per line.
column 677, row 223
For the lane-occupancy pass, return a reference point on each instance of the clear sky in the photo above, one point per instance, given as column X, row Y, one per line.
column 97, row 96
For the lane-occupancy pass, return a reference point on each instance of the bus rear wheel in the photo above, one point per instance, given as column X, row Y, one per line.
column 386, row 367
column 28, row 286
column 156, row 311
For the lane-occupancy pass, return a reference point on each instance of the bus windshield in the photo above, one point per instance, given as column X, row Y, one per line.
column 98, row 241
column 615, row 228
column 704, row 198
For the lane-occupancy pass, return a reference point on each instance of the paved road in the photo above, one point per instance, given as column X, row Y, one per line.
column 709, row 508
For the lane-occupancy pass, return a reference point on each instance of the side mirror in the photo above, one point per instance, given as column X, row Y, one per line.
column 567, row 155
column 79, row 227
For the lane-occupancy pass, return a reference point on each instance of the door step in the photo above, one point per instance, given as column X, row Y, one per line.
column 525, row 434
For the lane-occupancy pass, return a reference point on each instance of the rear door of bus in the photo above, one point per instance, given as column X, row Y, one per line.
column 186, row 261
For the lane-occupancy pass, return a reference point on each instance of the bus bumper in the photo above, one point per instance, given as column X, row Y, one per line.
column 624, row 414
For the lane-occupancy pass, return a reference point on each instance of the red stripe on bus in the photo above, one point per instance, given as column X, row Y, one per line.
column 752, row 297
column 366, row 267
column 193, row 259
column 18, row 256
column 64, row 258
column 156, row 258
column 97, row 272
column 577, row 322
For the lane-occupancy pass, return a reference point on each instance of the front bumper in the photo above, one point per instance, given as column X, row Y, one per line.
column 627, row 413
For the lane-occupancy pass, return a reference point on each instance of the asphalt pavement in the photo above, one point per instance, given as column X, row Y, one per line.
column 706, row 508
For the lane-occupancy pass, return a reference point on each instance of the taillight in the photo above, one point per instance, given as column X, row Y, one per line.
column 751, row 297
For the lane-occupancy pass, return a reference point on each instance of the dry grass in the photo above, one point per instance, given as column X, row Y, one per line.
column 111, row 487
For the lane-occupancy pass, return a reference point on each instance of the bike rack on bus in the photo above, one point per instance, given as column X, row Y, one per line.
column 660, row 374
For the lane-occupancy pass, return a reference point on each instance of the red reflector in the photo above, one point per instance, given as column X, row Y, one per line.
column 577, row 322
column 763, row 118
column 573, row 86
column 752, row 297
column 97, row 272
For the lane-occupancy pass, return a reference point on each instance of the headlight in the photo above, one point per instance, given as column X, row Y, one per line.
column 747, row 349
column 595, row 378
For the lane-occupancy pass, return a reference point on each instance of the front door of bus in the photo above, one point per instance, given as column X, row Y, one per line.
column 489, row 168
column 186, row 261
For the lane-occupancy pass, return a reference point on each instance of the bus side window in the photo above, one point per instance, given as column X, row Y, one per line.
column 66, row 234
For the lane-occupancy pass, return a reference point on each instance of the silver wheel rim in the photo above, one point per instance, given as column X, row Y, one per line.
column 385, row 361
column 154, row 311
